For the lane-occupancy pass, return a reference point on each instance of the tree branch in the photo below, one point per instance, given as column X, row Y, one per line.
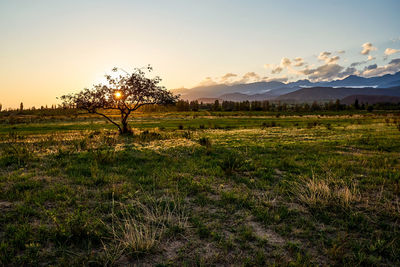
column 110, row 120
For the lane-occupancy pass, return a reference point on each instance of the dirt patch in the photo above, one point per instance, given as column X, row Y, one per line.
column 170, row 250
column 272, row 237
column 5, row 205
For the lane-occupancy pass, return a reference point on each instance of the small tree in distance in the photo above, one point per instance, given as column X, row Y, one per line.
column 125, row 93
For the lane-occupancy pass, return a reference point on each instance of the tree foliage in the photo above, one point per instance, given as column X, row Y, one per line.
column 125, row 93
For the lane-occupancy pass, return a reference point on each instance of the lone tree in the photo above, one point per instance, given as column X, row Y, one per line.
column 125, row 93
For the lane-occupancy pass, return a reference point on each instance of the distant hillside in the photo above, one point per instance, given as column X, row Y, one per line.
column 215, row 91
column 208, row 100
column 385, row 81
column 329, row 93
column 274, row 89
column 370, row 99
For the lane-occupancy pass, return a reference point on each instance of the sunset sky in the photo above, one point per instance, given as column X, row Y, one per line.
column 50, row 48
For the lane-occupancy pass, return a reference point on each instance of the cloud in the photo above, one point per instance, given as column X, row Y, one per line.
column 298, row 62
column 367, row 47
column 279, row 79
column 348, row 71
column 329, row 70
column 208, row 81
column 250, row 77
column 324, row 72
column 285, row 62
column 332, row 60
column 371, row 67
column 355, row 64
column 391, row 51
column 277, row 69
column 324, row 55
column 392, row 67
column 227, row 77
column 395, row 61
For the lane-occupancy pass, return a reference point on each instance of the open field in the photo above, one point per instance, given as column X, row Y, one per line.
column 201, row 190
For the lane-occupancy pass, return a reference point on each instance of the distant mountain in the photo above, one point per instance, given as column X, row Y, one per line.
column 236, row 97
column 270, row 95
column 330, row 93
column 274, row 89
column 353, row 80
column 215, row 91
column 370, row 99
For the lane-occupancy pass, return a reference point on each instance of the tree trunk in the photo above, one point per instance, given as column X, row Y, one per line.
column 125, row 129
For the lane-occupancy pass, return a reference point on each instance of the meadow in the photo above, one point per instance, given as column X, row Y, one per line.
column 201, row 189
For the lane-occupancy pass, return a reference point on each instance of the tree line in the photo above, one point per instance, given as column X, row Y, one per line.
column 266, row 105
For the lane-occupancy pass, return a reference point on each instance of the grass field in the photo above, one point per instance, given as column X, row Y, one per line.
column 202, row 190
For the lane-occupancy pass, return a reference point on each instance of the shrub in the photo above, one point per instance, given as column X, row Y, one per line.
column 147, row 136
column 328, row 126
column 205, row 141
column 270, row 124
column 231, row 162
column 187, row 134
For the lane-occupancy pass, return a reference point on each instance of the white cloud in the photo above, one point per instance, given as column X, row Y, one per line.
column 285, row 62
column 332, row 60
column 324, row 72
column 227, row 78
column 367, row 48
column 391, row 51
column 208, row 81
column 392, row 67
column 348, row 71
column 324, row 55
column 298, row 62
column 277, row 69
column 279, row 79
column 251, row 75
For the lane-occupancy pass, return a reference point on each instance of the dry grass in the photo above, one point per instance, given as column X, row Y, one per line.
column 141, row 226
column 325, row 192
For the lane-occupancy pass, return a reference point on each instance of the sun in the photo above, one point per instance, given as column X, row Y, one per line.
column 118, row 95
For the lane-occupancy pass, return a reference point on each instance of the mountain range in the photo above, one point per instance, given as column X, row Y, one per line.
column 298, row 91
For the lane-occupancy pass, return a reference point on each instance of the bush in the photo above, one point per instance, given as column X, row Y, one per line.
column 231, row 162
column 147, row 136
column 205, row 141
column 187, row 135
column 269, row 124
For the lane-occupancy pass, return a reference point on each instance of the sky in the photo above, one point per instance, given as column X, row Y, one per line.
column 50, row 48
